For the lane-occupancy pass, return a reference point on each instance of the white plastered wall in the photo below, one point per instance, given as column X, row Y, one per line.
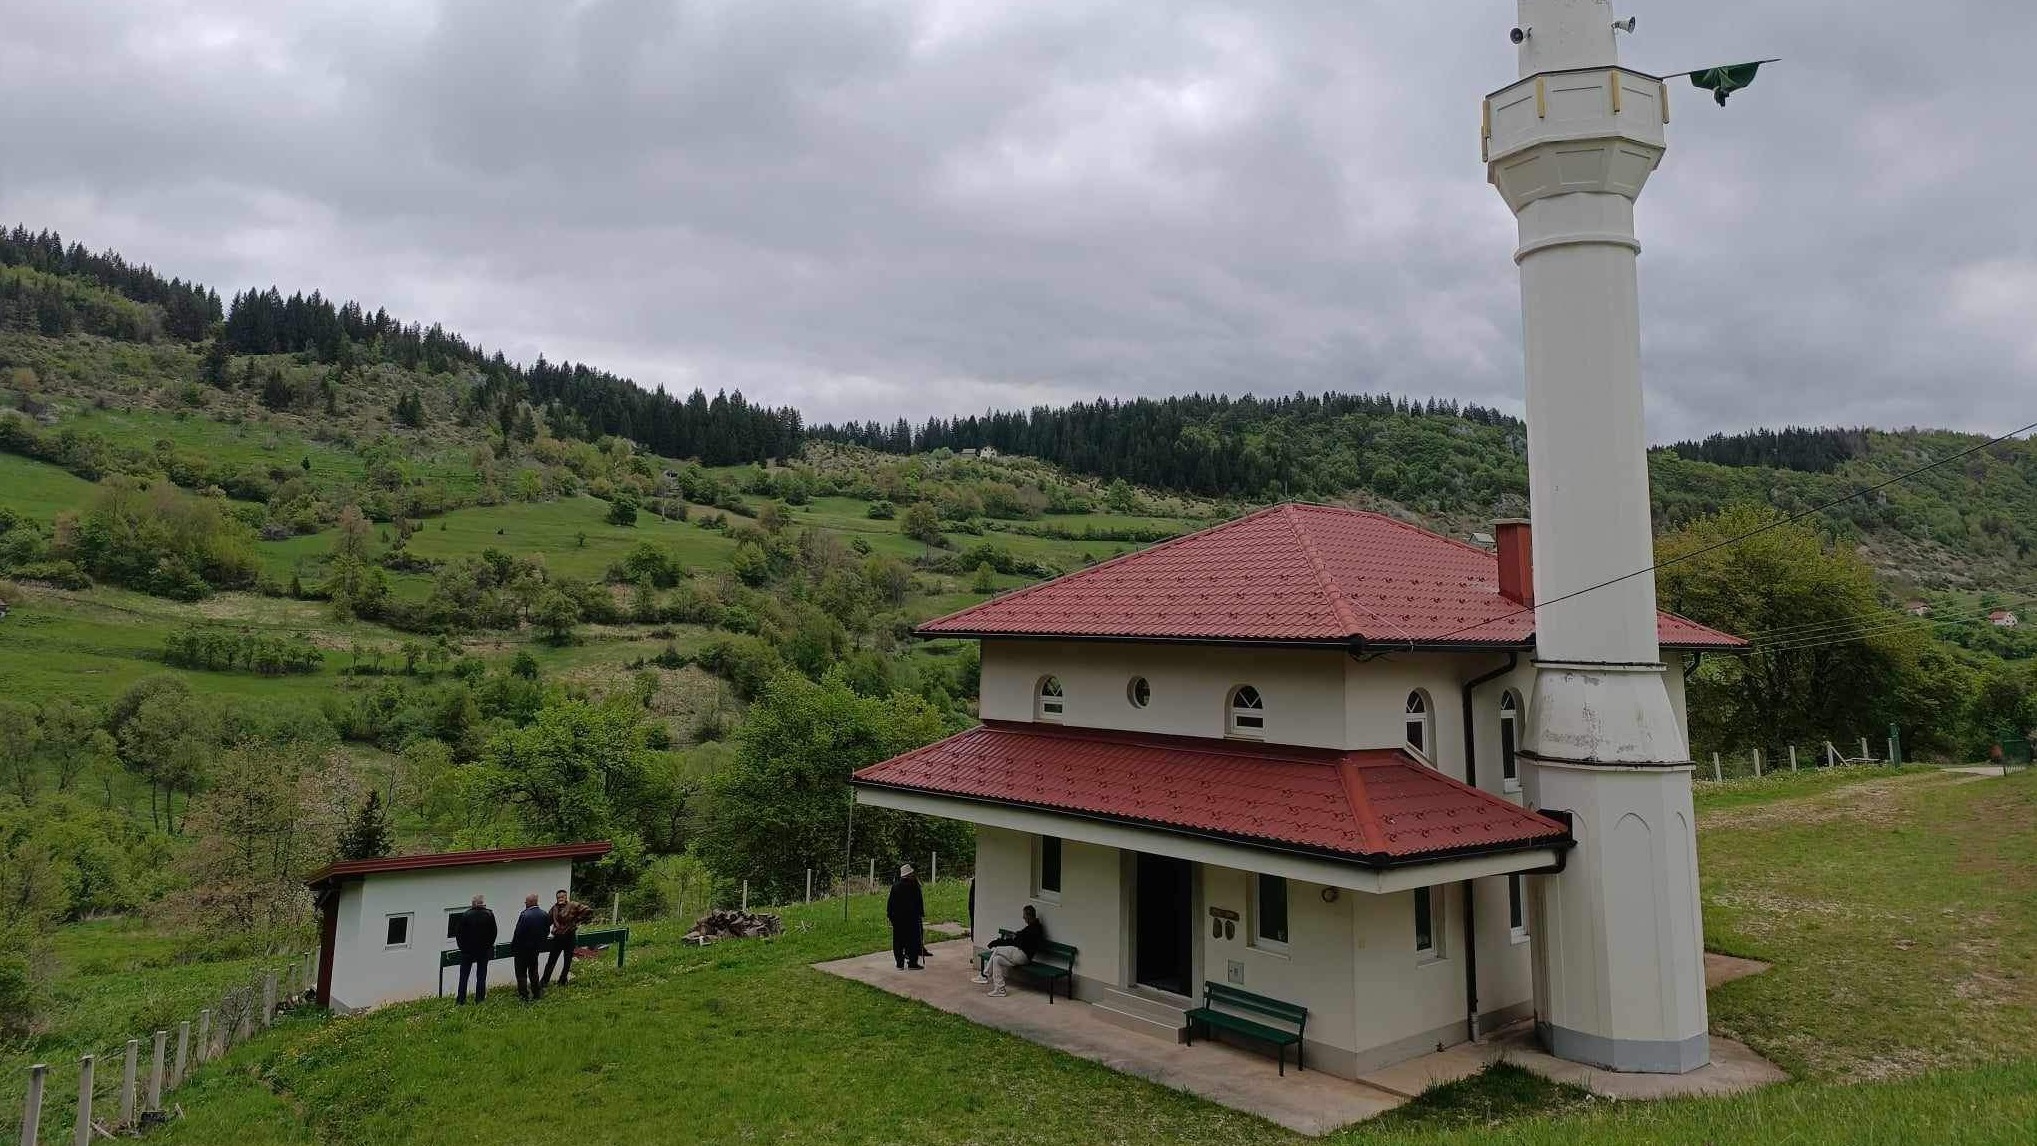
column 366, row 973
column 1088, row 914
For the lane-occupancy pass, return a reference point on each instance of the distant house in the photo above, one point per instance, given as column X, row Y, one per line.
column 1917, row 608
column 2002, row 619
column 970, row 452
column 383, row 923
column 988, row 453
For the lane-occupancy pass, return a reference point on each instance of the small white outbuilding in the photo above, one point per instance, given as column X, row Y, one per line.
column 384, row 923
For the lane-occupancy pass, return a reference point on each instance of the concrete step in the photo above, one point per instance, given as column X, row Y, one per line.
column 1143, row 1014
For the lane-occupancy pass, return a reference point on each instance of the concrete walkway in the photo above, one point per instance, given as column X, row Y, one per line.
column 1307, row 1102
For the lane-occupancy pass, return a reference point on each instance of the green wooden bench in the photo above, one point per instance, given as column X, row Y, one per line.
column 1038, row 967
column 616, row 935
column 1215, row 995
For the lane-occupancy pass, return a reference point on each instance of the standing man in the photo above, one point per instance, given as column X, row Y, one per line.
column 566, row 917
column 906, row 909
column 474, row 935
column 525, row 944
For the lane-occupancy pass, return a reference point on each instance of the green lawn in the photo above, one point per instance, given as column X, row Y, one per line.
column 554, row 529
column 745, row 1042
column 38, row 489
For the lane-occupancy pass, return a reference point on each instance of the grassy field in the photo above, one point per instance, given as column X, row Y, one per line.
column 745, row 1042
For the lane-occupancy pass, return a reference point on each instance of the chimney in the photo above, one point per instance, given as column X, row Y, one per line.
column 1516, row 561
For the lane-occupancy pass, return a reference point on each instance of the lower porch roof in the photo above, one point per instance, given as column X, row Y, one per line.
column 1344, row 817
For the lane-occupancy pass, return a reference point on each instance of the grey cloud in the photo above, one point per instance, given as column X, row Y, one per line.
column 880, row 209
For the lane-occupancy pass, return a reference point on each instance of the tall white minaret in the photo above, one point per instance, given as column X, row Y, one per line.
column 1619, row 964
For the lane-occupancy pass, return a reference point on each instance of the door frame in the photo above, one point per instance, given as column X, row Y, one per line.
column 1128, row 925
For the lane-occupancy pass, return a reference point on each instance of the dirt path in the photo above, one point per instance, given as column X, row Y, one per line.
column 1870, row 800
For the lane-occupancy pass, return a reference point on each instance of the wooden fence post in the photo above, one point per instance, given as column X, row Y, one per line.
column 183, row 1052
column 1863, row 748
column 1792, row 757
column 31, row 1111
column 746, row 895
column 614, row 908
column 1891, row 751
column 127, row 1067
column 1715, row 767
column 82, row 1134
column 269, row 999
column 1757, row 763
column 156, row 1071
column 809, row 885
column 934, row 876
column 205, row 1035
column 1831, row 755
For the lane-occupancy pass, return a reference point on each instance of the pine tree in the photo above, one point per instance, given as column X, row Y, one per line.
column 369, row 836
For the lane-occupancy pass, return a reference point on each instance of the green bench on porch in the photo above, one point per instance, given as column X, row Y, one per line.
column 616, row 935
column 1216, row 995
column 1062, row 970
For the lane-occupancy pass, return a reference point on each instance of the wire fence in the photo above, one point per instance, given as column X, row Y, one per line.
column 129, row 1087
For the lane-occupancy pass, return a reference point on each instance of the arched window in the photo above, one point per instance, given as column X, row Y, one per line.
column 1047, row 699
column 1248, row 712
column 1418, row 723
column 1509, row 738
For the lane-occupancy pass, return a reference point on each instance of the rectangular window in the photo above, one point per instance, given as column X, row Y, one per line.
column 398, row 932
column 1050, row 865
column 1509, row 764
column 453, row 921
column 1269, row 910
column 1517, row 908
column 1425, row 924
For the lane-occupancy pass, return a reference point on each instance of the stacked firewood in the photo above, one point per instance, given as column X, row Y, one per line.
column 722, row 923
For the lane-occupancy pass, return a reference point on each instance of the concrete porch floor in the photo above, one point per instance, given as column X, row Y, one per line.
column 1307, row 1102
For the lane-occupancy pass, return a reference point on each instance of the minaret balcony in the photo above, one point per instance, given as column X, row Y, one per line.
column 1591, row 129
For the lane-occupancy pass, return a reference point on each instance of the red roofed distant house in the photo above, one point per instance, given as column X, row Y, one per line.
column 2002, row 618
column 1240, row 756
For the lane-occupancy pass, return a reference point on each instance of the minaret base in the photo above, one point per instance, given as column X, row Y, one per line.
column 1619, row 941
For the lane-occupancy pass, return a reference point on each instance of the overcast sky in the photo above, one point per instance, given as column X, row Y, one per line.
column 874, row 210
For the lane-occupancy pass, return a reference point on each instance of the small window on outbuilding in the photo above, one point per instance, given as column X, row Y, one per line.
column 1269, row 912
column 1428, row 937
column 397, row 931
column 1047, row 872
column 1417, row 723
column 1509, row 740
column 453, row 921
column 1047, row 699
column 1248, row 713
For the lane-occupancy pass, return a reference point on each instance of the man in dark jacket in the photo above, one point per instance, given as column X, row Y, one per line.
column 474, row 935
column 907, row 910
column 566, row 917
column 1020, row 949
column 526, row 943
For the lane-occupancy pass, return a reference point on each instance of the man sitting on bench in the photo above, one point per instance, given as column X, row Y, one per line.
column 1004, row 954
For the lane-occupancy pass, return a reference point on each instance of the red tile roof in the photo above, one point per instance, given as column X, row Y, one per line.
column 1376, row 807
column 381, row 864
column 1299, row 573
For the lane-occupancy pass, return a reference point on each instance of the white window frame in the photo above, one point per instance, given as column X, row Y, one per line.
column 1517, row 902
column 1509, row 758
column 1049, row 707
column 1437, row 904
column 409, row 919
column 1041, row 891
column 1255, row 901
column 1426, row 717
column 1234, row 712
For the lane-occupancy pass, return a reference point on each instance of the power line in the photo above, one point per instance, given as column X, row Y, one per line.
column 1886, row 625
column 1717, row 545
column 1783, row 633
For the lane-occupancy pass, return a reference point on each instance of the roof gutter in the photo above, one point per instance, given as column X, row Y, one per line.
column 1470, row 905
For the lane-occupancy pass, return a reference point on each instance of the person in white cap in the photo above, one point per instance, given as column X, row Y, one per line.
column 907, row 910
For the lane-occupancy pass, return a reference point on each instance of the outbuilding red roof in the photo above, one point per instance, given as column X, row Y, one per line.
column 1291, row 573
column 382, row 864
column 1377, row 807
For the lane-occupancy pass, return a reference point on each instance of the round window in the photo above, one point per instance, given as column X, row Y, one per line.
column 1139, row 692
